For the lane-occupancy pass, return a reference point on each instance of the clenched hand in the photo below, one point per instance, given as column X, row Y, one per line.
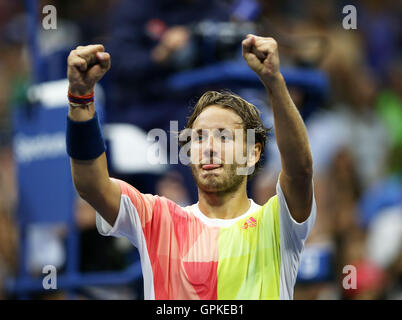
column 86, row 66
column 261, row 54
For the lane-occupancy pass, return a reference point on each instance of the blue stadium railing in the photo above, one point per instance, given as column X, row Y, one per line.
column 237, row 71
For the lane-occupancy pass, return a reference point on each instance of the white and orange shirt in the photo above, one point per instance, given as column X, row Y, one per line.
column 186, row 255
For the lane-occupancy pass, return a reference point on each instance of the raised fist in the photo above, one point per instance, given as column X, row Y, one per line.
column 261, row 54
column 86, row 66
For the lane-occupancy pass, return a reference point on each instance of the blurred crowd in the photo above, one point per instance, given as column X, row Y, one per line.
column 355, row 127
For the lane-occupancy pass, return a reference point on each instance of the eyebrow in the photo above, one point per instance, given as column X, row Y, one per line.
column 219, row 129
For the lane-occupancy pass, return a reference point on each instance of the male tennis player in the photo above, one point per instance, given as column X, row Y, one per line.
column 225, row 246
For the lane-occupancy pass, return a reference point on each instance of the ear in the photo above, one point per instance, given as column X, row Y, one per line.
column 254, row 155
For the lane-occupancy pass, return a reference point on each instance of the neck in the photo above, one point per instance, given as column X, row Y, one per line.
column 224, row 205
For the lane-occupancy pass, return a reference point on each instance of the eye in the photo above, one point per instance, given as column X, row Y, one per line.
column 198, row 137
column 225, row 135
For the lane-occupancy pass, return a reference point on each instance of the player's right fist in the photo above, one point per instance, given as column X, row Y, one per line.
column 85, row 67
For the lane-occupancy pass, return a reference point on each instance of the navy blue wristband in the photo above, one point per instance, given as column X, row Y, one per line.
column 84, row 140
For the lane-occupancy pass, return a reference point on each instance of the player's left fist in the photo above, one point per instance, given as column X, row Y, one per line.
column 261, row 54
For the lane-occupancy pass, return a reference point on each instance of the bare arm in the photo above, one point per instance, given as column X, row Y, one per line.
column 86, row 66
column 297, row 165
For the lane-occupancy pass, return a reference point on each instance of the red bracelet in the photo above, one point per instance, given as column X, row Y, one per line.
column 84, row 99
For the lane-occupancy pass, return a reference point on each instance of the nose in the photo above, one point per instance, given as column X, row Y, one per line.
column 210, row 148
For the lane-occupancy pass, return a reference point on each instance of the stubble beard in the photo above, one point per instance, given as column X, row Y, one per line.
column 225, row 182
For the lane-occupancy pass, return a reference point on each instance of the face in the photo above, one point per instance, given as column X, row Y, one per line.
column 218, row 150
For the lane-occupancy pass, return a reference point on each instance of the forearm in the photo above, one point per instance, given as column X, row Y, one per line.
column 89, row 176
column 290, row 131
